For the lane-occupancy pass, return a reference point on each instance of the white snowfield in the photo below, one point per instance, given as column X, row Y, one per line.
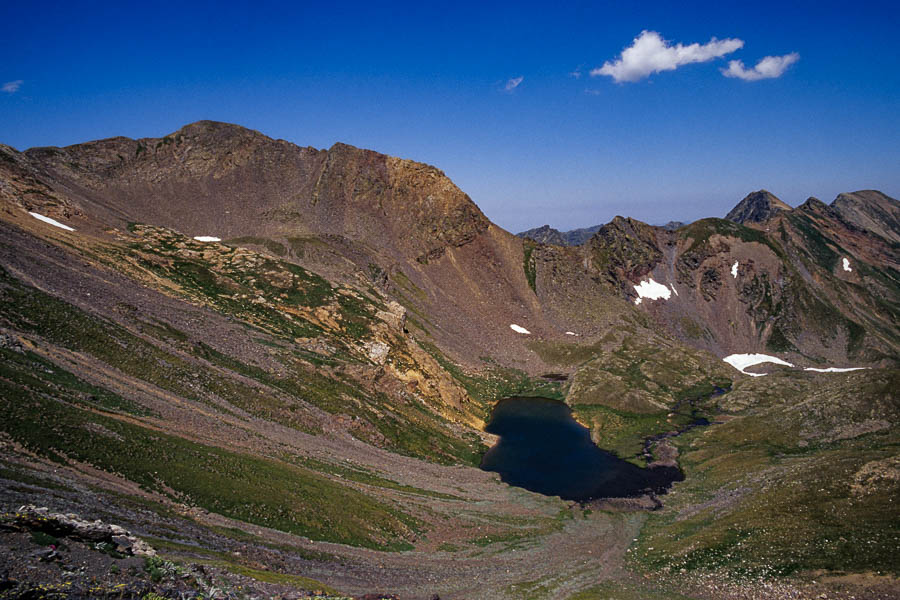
column 207, row 238
column 847, row 265
column 571, row 333
column 652, row 290
column 742, row 361
column 734, row 269
column 519, row 329
column 53, row 222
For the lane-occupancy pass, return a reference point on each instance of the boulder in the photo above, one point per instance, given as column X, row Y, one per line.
column 72, row 526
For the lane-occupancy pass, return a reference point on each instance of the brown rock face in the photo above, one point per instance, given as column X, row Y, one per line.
column 757, row 207
column 625, row 248
column 223, row 180
column 348, row 213
column 872, row 211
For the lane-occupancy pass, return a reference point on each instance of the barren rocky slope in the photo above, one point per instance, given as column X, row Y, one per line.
column 804, row 283
column 299, row 406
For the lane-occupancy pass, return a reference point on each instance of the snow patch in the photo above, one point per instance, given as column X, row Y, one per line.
column 673, row 289
column 847, row 265
column 53, row 222
column 571, row 333
column 207, row 238
column 742, row 361
column 734, row 269
column 519, row 329
column 652, row 290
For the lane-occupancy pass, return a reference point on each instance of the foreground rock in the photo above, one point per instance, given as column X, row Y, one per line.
column 80, row 559
column 73, row 527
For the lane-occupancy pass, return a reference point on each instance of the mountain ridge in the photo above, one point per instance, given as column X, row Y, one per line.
column 400, row 218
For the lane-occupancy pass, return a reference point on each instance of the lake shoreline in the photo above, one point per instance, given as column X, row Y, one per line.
column 542, row 448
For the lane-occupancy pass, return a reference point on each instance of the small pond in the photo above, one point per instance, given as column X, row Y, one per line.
column 543, row 449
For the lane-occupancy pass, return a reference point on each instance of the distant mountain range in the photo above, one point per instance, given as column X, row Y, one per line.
column 574, row 237
column 548, row 235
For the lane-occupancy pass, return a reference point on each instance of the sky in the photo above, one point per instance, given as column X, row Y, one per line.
column 565, row 113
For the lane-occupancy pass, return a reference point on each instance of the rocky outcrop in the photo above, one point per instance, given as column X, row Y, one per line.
column 394, row 315
column 625, row 248
column 758, row 207
column 11, row 342
column 72, row 526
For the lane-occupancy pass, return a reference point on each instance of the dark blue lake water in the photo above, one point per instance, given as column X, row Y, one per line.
column 543, row 449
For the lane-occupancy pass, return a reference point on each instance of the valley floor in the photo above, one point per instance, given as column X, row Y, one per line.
column 490, row 541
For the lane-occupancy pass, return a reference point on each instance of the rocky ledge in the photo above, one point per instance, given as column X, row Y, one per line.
column 71, row 526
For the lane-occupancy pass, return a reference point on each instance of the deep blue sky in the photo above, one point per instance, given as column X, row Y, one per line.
column 427, row 81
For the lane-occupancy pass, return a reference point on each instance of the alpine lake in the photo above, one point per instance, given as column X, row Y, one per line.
column 542, row 448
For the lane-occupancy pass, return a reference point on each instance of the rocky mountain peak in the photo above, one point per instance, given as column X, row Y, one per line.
column 625, row 248
column 214, row 136
column 206, row 125
column 214, row 133
column 234, row 181
column 756, row 207
column 870, row 210
column 813, row 205
column 545, row 235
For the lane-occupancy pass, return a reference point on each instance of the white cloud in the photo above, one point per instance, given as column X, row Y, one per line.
column 768, row 68
column 11, row 87
column 513, row 83
column 651, row 54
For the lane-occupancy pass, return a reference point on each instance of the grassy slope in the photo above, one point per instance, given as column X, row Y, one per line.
column 627, row 390
column 44, row 417
column 57, row 415
column 805, row 477
column 276, row 297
